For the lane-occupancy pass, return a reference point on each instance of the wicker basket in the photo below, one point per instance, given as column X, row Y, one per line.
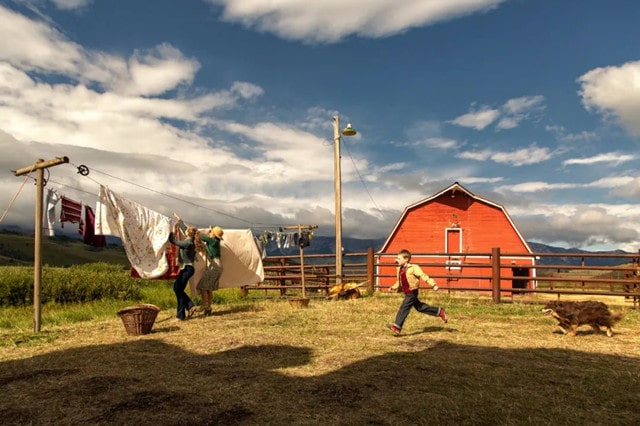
column 139, row 319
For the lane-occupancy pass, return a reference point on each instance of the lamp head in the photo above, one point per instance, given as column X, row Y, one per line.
column 349, row 131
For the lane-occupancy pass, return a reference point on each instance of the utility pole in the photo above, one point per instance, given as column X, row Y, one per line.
column 38, row 167
column 337, row 186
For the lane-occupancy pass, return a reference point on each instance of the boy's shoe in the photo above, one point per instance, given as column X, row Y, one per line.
column 443, row 315
column 394, row 328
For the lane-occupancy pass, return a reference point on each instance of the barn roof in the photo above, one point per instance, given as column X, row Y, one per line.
column 455, row 187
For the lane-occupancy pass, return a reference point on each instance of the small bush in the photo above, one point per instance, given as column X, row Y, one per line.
column 77, row 284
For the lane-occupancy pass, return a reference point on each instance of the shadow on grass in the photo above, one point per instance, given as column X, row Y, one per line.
column 150, row 382
column 168, row 323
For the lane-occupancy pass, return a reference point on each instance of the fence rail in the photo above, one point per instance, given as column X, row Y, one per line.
column 283, row 273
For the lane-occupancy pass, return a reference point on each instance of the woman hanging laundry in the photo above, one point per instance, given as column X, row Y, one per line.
column 210, row 280
column 187, row 256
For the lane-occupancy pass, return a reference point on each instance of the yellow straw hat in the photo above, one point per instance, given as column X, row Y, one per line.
column 217, row 231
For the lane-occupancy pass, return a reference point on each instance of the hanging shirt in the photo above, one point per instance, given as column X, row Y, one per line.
column 71, row 211
column 51, row 199
column 87, row 230
column 144, row 232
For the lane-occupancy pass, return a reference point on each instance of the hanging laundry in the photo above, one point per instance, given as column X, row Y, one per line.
column 144, row 232
column 171, row 253
column 304, row 240
column 262, row 247
column 87, row 230
column 51, row 199
column 266, row 237
column 288, row 239
column 71, row 211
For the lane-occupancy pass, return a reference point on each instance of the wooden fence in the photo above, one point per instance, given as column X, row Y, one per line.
column 283, row 274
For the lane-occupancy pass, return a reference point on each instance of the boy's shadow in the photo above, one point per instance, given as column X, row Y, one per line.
column 430, row 329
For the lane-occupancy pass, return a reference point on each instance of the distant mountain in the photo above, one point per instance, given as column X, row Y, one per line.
column 575, row 261
column 327, row 245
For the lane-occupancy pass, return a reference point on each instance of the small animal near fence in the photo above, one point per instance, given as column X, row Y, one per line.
column 492, row 273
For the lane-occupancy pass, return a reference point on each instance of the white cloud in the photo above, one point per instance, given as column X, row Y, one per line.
column 78, row 115
column 610, row 157
column 333, row 20
column 561, row 134
column 614, row 92
column 522, row 105
column 477, row 119
column 629, row 188
column 611, row 182
column 158, row 70
column 469, row 180
column 517, row 109
column 246, row 90
column 536, row 186
column 34, row 45
column 520, row 157
column 441, row 143
column 508, row 116
column 507, row 123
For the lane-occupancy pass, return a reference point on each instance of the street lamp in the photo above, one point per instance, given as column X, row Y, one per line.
column 337, row 175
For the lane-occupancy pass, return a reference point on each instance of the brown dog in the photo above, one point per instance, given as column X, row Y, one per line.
column 571, row 315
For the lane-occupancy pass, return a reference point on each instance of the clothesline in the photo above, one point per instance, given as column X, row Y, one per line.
column 233, row 217
column 84, row 171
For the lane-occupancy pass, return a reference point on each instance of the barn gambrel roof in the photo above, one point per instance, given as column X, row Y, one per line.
column 455, row 187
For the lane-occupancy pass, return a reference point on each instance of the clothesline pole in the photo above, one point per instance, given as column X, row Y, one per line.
column 300, row 227
column 38, row 167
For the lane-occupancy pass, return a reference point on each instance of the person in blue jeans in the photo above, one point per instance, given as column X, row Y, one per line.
column 187, row 256
column 408, row 282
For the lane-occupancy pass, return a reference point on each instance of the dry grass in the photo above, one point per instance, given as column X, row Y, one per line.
column 332, row 363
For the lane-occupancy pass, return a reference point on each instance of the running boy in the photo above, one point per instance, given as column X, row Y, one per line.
column 408, row 281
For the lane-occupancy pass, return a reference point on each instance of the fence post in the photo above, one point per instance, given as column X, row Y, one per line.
column 495, row 268
column 370, row 269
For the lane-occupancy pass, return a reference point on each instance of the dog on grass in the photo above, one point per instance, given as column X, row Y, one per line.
column 571, row 315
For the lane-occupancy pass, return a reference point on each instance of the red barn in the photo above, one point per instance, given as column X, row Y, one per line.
column 458, row 231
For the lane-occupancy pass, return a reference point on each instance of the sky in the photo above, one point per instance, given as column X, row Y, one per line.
column 222, row 110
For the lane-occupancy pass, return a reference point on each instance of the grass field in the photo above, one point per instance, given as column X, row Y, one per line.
column 265, row 362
